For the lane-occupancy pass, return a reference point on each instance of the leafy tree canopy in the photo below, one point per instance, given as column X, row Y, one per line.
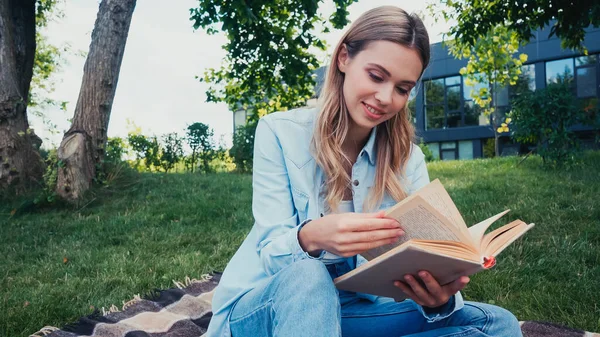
column 475, row 18
column 269, row 64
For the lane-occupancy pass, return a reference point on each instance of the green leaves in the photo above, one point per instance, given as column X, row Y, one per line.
column 199, row 138
column 473, row 19
column 269, row 57
column 491, row 59
column 544, row 118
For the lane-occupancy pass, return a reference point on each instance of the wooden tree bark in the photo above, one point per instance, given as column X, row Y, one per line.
column 82, row 148
column 20, row 162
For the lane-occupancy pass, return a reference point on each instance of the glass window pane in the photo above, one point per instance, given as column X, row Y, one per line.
column 585, row 60
column 448, row 155
column 435, row 149
column 473, row 114
column 239, row 118
column 586, row 82
column 560, row 71
column 448, row 145
column 465, row 149
column 475, row 88
column 453, row 120
column 434, row 115
column 501, row 96
column 434, row 91
column 452, row 80
column 525, row 82
column 453, row 96
column 589, row 106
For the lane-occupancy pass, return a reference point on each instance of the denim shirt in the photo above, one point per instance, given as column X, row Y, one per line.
column 287, row 185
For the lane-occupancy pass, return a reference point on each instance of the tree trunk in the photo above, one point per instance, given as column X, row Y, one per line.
column 20, row 163
column 82, row 148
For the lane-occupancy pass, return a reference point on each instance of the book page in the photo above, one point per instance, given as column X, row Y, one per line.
column 478, row 231
column 436, row 195
column 419, row 220
column 504, row 236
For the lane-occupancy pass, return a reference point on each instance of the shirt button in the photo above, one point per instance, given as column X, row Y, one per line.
column 355, row 182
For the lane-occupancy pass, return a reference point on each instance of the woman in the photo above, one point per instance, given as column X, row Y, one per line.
column 320, row 180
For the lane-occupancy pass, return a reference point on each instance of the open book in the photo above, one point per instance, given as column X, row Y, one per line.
column 436, row 239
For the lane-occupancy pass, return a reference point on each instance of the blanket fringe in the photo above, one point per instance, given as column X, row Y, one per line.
column 113, row 308
column 136, row 298
column 44, row 331
column 188, row 281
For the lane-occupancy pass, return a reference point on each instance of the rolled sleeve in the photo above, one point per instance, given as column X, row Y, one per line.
column 455, row 303
column 299, row 253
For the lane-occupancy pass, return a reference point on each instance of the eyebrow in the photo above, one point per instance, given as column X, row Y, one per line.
column 385, row 71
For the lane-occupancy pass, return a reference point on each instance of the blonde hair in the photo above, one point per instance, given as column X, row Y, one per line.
column 394, row 136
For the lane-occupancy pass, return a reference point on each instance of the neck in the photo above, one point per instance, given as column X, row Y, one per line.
column 355, row 139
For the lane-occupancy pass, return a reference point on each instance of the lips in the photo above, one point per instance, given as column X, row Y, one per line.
column 371, row 112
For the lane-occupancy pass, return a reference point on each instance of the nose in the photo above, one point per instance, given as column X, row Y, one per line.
column 384, row 94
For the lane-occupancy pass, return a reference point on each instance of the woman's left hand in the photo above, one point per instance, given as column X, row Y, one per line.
column 433, row 294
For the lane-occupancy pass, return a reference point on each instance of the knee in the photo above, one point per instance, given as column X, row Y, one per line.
column 507, row 320
column 493, row 320
column 309, row 276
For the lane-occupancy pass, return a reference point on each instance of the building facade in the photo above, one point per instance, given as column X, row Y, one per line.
column 445, row 115
column 452, row 125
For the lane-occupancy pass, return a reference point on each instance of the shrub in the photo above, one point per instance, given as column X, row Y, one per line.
column 199, row 138
column 545, row 118
column 146, row 149
column 489, row 148
column 243, row 147
column 426, row 151
column 171, row 152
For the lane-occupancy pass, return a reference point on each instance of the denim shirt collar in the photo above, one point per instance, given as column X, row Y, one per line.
column 369, row 147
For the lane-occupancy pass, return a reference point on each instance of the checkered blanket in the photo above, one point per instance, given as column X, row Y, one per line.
column 185, row 310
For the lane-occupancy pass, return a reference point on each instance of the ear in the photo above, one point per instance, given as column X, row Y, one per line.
column 343, row 58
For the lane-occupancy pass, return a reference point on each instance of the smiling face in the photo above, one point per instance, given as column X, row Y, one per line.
column 377, row 82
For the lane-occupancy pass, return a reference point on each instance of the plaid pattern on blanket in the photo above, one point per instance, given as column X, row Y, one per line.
column 185, row 311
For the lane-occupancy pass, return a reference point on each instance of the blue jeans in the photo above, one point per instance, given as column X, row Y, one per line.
column 301, row 300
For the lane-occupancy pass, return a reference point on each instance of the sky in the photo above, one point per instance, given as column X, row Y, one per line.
column 157, row 89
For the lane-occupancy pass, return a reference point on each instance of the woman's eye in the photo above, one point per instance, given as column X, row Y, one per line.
column 402, row 90
column 375, row 77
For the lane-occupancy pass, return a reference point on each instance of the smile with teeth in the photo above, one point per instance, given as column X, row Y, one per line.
column 371, row 110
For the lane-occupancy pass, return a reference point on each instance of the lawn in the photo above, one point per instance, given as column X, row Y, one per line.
column 60, row 264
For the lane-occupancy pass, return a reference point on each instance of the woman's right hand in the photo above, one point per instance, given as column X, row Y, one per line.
column 349, row 234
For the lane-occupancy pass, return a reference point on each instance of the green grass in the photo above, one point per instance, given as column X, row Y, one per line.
column 163, row 227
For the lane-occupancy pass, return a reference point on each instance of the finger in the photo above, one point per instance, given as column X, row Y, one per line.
column 372, row 215
column 406, row 290
column 361, row 225
column 457, row 285
column 352, row 249
column 419, row 291
column 433, row 286
column 377, row 235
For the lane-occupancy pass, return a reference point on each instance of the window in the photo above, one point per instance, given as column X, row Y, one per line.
column 473, row 112
column 435, row 149
column 581, row 73
column 239, row 118
column 585, row 76
column 452, row 150
column 560, row 71
column 443, row 103
column 525, row 81
column 448, row 151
